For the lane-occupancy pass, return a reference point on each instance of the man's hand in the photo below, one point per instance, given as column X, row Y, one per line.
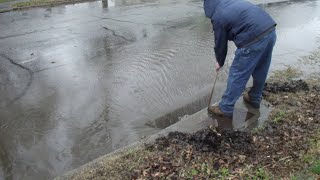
column 217, row 67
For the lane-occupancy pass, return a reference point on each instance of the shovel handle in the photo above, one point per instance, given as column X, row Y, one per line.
column 214, row 85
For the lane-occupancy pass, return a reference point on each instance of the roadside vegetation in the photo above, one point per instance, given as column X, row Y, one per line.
column 34, row 3
column 39, row 3
column 2, row 1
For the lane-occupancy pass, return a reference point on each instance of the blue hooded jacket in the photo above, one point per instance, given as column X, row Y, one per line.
column 235, row 20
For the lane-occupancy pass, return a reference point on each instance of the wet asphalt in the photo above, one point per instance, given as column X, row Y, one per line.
column 79, row 81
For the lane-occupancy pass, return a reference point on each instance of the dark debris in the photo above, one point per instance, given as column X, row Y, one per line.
column 288, row 86
column 207, row 140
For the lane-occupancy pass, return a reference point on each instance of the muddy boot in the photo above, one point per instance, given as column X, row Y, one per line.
column 247, row 99
column 216, row 111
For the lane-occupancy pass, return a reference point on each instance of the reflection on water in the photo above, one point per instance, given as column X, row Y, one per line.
column 244, row 117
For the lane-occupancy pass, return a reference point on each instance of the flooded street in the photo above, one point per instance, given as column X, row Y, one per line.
column 79, row 81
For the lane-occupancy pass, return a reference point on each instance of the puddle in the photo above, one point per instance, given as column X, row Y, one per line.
column 244, row 117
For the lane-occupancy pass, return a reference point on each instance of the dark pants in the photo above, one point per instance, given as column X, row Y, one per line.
column 252, row 60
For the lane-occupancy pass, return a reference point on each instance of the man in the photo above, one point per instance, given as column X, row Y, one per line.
column 253, row 32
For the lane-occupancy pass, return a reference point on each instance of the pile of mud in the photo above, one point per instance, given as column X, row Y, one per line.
column 288, row 86
column 208, row 140
column 178, row 151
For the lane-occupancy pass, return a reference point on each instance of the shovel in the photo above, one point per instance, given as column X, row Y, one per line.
column 214, row 85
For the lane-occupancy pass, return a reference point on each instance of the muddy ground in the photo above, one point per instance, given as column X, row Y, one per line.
column 286, row 147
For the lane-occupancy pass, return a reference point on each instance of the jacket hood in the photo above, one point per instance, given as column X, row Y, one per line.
column 210, row 7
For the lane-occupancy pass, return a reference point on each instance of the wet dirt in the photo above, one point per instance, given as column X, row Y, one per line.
column 289, row 86
column 207, row 140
